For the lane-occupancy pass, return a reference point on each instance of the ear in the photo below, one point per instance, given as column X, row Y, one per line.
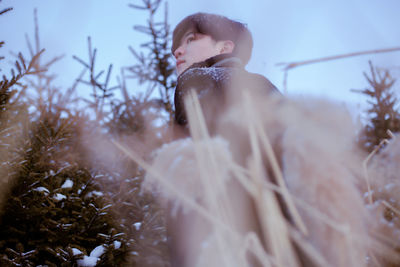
column 227, row 46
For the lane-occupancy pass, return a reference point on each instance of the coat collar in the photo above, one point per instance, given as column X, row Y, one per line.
column 224, row 60
column 219, row 61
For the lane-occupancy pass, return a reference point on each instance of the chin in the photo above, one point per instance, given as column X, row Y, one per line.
column 180, row 70
column 183, row 66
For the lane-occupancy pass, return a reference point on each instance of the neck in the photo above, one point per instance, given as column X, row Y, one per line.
column 223, row 60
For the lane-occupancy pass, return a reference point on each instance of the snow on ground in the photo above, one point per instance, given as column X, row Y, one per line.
column 76, row 251
column 42, row 189
column 90, row 261
column 59, row 197
column 137, row 225
column 97, row 251
column 94, row 193
column 117, row 244
column 67, row 184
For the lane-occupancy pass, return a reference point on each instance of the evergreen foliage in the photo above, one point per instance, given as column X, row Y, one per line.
column 156, row 67
column 101, row 91
column 61, row 204
column 54, row 205
column 383, row 113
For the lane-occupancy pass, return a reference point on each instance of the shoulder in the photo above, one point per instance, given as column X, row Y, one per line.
column 201, row 79
column 259, row 81
column 244, row 79
column 208, row 82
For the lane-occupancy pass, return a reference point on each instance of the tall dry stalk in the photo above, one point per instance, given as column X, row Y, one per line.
column 307, row 209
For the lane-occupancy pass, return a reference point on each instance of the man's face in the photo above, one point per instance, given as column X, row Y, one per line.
column 194, row 48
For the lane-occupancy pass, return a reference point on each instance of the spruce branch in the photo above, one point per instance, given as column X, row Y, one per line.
column 383, row 111
column 101, row 90
column 20, row 65
column 155, row 67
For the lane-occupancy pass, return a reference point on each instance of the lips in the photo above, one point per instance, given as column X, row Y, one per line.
column 178, row 62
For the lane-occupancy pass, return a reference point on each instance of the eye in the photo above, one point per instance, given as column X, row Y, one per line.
column 190, row 39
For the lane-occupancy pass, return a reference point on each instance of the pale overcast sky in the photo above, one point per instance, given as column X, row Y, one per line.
column 283, row 31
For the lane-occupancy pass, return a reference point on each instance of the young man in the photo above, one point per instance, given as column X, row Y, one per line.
column 211, row 52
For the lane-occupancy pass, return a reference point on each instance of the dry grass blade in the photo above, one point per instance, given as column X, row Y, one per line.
column 314, row 254
column 365, row 168
column 242, row 175
column 391, row 135
column 391, row 207
column 197, row 124
column 273, row 223
column 212, row 179
column 159, row 177
column 274, row 164
column 252, row 243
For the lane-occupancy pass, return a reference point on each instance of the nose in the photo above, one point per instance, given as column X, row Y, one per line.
column 179, row 51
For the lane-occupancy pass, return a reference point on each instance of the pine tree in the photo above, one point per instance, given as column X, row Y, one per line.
column 54, row 207
column 383, row 114
column 54, row 213
column 13, row 114
column 137, row 213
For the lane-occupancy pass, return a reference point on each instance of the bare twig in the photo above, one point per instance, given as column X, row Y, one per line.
column 5, row 10
column 292, row 65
